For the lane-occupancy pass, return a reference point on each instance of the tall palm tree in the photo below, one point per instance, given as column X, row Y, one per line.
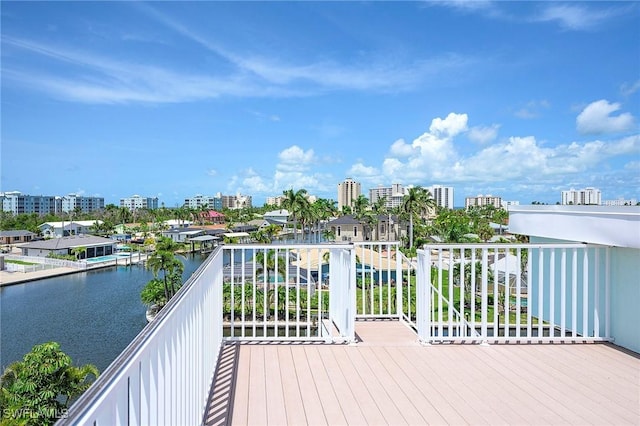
column 416, row 202
column 296, row 204
column 165, row 261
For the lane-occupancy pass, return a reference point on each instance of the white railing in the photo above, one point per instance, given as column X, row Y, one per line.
column 16, row 267
column 288, row 292
column 380, row 272
column 407, row 289
column 165, row 374
column 48, row 261
column 519, row 293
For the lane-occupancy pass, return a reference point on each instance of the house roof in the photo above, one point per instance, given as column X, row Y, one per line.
column 278, row 213
column 69, row 242
column 71, row 222
column 16, row 233
column 212, row 214
column 345, row 220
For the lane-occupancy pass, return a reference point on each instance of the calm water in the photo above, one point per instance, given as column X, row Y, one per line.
column 93, row 315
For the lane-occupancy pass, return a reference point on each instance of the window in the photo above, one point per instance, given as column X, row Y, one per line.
column 355, row 231
column 338, row 233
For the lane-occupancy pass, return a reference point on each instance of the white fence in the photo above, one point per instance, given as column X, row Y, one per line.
column 56, row 263
column 520, row 293
column 165, row 374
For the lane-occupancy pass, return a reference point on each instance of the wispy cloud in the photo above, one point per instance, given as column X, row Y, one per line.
column 576, row 17
column 628, row 89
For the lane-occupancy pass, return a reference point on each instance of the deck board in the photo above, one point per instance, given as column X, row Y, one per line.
column 388, row 378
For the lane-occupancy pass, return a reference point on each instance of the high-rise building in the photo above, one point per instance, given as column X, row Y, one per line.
column 443, row 195
column 582, row 196
column 18, row 203
column 137, row 202
column 348, row 191
column 197, row 201
column 73, row 202
column 237, row 201
column 483, row 200
column 393, row 195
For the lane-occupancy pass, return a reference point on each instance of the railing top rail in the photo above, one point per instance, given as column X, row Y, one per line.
column 511, row 246
column 114, row 370
column 287, row 246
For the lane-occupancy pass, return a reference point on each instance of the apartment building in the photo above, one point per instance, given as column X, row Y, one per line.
column 393, row 195
column 18, row 203
column 483, row 200
column 137, row 202
column 197, row 201
column 73, row 202
column 237, row 201
column 586, row 196
column 443, row 195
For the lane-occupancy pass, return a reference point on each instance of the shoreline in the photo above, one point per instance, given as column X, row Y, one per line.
column 13, row 278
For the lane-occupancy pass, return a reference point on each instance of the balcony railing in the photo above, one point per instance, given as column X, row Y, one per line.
column 523, row 293
column 474, row 293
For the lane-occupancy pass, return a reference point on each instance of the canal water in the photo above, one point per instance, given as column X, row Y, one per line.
column 94, row 315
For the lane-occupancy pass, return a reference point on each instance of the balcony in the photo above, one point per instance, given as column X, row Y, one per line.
column 358, row 334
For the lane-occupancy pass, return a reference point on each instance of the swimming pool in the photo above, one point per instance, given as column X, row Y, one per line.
column 107, row 258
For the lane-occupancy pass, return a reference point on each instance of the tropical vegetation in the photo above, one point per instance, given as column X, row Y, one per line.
column 38, row 389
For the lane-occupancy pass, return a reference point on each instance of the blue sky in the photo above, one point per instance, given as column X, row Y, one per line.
column 516, row 99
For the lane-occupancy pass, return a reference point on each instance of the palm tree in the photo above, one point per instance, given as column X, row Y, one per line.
column 360, row 205
column 296, row 204
column 269, row 262
column 416, row 202
column 164, row 260
column 78, row 251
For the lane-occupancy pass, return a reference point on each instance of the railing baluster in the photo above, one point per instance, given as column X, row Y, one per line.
column 518, row 292
column 585, row 292
column 552, row 292
column 574, row 293
column 563, row 294
column 540, row 295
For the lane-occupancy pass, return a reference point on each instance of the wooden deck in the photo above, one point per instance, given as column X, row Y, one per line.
column 387, row 378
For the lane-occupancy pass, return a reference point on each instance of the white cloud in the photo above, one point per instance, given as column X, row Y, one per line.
column 254, row 183
column 212, row 172
column 295, row 158
column 628, row 89
column 596, row 119
column 401, row 149
column 450, row 126
column 632, row 165
column 576, row 17
column 435, row 157
column 533, row 109
column 360, row 171
column 482, row 134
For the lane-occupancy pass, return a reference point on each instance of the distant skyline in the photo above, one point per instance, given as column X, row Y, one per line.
column 171, row 99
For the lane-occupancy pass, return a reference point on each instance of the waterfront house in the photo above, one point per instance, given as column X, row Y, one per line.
column 65, row 229
column 212, row 217
column 182, row 235
column 177, row 223
column 281, row 216
column 95, row 246
column 16, row 236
